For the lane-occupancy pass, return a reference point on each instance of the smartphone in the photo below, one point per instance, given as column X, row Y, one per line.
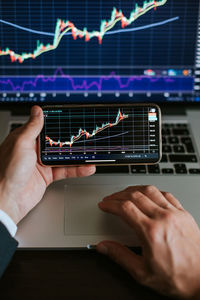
column 118, row 134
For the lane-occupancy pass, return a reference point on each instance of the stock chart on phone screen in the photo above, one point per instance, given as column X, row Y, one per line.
column 54, row 50
column 101, row 134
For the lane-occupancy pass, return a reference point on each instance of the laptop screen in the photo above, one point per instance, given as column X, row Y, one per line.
column 64, row 51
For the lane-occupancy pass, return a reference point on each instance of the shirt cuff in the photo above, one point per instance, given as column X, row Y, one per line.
column 8, row 223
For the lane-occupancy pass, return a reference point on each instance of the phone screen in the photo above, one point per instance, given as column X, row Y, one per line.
column 100, row 134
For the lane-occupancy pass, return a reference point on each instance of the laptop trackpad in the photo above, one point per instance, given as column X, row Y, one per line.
column 82, row 215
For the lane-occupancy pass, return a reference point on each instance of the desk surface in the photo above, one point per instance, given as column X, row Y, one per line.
column 68, row 275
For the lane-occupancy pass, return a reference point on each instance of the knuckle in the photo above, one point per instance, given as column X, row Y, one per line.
column 154, row 233
column 149, row 189
column 168, row 216
column 126, row 206
column 136, row 195
column 167, row 194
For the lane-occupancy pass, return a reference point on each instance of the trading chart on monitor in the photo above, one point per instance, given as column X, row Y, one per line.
column 135, row 50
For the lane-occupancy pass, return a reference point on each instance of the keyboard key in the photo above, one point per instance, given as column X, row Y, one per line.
column 180, row 168
column 173, row 140
column 194, row 171
column 155, row 169
column 182, row 158
column 164, row 140
column 186, row 140
column 112, row 169
column 166, row 131
column 164, row 158
column 180, row 131
column 190, row 148
column 168, row 171
column 179, row 149
column 165, row 125
column 182, row 125
column 166, row 149
column 138, row 169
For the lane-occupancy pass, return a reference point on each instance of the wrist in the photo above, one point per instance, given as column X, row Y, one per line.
column 8, row 205
column 8, row 223
column 9, row 211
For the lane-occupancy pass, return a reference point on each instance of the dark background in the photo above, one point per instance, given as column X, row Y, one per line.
column 69, row 275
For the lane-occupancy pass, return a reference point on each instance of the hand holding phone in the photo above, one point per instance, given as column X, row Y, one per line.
column 100, row 134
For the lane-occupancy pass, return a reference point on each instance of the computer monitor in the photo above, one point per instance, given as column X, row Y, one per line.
column 63, row 51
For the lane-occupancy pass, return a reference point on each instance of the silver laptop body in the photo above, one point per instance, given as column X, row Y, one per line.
column 68, row 215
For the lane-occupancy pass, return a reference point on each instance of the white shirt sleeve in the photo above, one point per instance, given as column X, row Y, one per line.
column 8, row 223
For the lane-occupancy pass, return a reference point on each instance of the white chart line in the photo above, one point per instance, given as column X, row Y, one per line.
column 107, row 33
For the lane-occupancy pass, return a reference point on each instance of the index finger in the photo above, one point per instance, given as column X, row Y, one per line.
column 72, row 172
column 118, row 195
column 128, row 212
column 151, row 192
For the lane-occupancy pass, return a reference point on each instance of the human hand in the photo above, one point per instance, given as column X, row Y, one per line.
column 23, row 180
column 170, row 240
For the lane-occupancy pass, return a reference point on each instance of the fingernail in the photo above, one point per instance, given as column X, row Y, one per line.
column 35, row 111
column 92, row 170
column 102, row 249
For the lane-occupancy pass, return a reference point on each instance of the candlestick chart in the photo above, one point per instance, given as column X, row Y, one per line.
column 59, row 48
column 62, row 27
column 83, row 132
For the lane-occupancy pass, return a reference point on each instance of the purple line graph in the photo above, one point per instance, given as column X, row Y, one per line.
column 61, row 82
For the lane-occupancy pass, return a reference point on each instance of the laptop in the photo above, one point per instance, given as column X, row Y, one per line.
column 112, row 51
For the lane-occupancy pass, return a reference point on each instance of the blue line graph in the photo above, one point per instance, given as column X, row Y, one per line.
column 107, row 33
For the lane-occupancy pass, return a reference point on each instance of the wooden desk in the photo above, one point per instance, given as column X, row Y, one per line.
column 68, row 275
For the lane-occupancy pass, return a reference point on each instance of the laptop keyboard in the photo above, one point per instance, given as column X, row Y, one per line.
column 179, row 154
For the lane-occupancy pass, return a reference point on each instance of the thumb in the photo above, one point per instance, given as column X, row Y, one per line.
column 133, row 263
column 35, row 123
